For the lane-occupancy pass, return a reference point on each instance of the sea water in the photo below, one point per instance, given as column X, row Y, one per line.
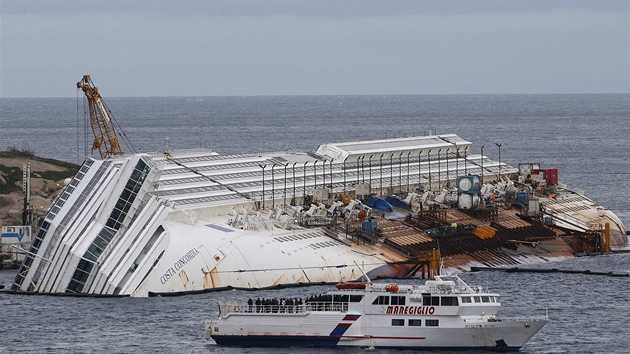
column 584, row 136
column 588, row 314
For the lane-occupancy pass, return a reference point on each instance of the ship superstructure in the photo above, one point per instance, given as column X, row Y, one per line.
column 193, row 220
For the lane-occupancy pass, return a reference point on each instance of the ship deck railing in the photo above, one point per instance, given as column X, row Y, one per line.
column 231, row 308
column 523, row 319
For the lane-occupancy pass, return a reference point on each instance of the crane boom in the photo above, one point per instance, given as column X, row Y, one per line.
column 105, row 138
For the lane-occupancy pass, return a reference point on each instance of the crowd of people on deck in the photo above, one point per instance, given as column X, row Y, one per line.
column 274, row 305
column 289, row 305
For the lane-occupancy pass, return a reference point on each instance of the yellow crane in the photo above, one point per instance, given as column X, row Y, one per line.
column 105, row 138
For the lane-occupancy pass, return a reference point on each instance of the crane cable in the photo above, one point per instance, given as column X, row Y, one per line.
column 85, row 130
column 120, row 130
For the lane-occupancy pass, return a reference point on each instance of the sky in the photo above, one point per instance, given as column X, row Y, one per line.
column 326, row 47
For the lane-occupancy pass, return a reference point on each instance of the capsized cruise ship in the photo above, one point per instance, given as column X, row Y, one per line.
column 191, row 221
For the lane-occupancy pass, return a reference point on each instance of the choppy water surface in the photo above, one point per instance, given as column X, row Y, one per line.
column 588, row 314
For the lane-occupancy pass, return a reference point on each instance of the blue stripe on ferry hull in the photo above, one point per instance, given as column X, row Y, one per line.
column 326, row 341
column 342, row 327
column 277, row 341
column 473, row 349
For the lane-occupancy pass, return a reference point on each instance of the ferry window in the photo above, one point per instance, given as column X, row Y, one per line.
column 477, row 299
column 430, row 300
column 340, row 298
column 466, row 300
column 485, row 299
column 397, row 322
column 415, row 323
column 497, row 298
column 398, row 300
column 449, row 301
column 381, row 300
column 432, row 323
column 356, row 298
column 492, row 299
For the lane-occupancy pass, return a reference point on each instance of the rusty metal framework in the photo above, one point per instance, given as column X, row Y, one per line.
column 105, row 138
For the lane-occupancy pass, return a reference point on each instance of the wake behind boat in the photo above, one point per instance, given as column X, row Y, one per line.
column 444, row 313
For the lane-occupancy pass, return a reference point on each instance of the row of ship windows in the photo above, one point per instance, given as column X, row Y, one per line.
column 415, row 323
column 471, row 299
column 436, row 300
column 426, row 300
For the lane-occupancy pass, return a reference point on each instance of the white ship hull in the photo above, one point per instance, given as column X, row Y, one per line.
column 194, row 221
column 319, row 330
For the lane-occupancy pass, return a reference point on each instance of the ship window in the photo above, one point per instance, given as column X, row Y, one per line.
column 466, row 299
column 477, row 299
column 356, row 298
column 497, row 299
column 340, row 298
column 430, row 300
column 65, row 195
column 415, row 323
column 381, row 300
column 54, row 209
column 398, row 322
column 449, row 301
column 485, row 299
column 432, row 323
column 398, row 300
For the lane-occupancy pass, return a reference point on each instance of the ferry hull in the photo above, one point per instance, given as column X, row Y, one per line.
column 500, row 336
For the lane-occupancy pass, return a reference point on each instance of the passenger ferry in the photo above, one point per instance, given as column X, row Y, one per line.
column 444, row 313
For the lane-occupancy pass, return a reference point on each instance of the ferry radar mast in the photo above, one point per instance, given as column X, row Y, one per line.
column 105, row 138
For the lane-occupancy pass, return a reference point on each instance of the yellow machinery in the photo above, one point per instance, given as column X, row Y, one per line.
column 105, row 138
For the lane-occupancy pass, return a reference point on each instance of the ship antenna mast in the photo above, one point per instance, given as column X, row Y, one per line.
column 101, row 120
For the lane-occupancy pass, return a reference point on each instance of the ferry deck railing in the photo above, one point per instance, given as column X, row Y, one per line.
column 285, row 309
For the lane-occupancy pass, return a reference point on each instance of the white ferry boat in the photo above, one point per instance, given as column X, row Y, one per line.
column 444, row 313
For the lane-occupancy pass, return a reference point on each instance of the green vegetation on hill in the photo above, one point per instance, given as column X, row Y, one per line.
column 14, row 174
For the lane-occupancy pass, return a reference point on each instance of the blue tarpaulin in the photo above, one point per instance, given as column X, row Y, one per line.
column 397, row 202
column 379, row 204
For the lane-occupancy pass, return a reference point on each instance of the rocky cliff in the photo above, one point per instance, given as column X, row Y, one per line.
column 47, row 178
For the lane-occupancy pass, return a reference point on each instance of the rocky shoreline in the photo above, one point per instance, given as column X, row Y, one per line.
column 47, row 179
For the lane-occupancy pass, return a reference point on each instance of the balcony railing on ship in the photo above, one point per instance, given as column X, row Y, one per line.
column 263, row 309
